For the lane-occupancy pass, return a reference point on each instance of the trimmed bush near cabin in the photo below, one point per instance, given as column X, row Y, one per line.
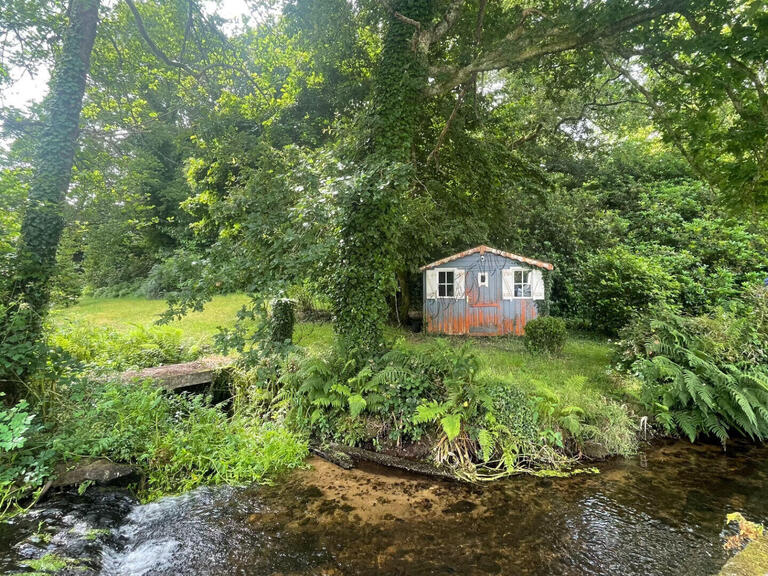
column 546, row 334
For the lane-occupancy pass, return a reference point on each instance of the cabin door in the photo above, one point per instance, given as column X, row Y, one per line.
column 484, row 297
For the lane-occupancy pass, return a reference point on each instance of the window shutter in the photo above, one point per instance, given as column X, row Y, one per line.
column 431, row 284
column 537, row 285
column 459, row 283
column 507, row 284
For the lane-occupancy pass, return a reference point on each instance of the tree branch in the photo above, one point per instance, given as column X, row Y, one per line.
column 436, row 152
column 154, row 48
column 559, row 41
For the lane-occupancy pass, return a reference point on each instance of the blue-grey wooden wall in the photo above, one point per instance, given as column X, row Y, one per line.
column 483, row 311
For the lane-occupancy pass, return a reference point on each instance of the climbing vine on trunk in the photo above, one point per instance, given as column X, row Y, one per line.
column 371, row 210
column 43, row 222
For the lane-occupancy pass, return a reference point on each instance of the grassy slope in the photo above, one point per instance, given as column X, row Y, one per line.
column 579, row 375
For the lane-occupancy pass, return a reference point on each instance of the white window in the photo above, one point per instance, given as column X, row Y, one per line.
column 482, row 278
column 517, row 283
column 445, row 283
column 521, row 287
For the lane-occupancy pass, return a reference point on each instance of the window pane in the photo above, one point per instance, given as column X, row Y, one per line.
column 526, row 290
column 441, row 277
column 518, row 276
column 525, row 277
column 449, row 290
column 441, row 290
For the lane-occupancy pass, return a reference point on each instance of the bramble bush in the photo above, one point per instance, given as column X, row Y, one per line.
column 546, row 334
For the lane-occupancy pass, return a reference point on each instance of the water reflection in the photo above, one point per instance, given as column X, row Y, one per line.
column 660, row 515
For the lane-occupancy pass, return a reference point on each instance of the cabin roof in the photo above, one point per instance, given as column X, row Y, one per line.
column 482, row 249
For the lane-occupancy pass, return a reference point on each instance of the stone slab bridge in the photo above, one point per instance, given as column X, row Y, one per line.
column 185, row 375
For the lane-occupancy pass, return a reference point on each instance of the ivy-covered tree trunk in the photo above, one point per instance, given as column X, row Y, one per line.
column 43, row 219
column 365, row 274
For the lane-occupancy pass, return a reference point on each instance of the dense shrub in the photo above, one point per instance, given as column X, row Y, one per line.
column 117, row 290
column 704, row 375
column 616, row 285
column 15, row 346
column 546, row 334
column 181, row 272
column 179, row 441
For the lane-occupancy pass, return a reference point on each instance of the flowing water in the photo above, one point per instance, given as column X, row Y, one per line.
column 660, row 513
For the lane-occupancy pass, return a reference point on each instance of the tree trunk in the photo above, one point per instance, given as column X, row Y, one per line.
column 43, row 219
column 365, row 273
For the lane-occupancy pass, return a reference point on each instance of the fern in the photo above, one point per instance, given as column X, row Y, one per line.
column 695, row 391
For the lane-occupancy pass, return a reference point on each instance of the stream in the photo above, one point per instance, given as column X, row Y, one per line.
column 659, row 513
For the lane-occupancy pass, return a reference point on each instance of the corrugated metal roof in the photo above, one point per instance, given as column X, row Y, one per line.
column 482, row 249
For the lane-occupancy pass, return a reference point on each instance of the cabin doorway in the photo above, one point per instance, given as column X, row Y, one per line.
column 484, row 313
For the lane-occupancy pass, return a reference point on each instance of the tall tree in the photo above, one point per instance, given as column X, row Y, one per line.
column 43, row 222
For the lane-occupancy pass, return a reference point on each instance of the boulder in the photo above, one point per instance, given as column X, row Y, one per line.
column 100, row 470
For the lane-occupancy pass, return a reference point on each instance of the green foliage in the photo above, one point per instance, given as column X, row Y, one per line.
column 546, row 334
column 179, row 441
column 704, row 375
column 105, row 348
column 68, row 282
column 24, row 467
column 18, row 353
column 616, row 285
column 281, row 321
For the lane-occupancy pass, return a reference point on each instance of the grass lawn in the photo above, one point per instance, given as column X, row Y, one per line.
column 578, row 376
column 122, row 314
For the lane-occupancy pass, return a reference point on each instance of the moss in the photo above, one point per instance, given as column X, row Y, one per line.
column 96, row 533
column 752, row 560
column 49, row 563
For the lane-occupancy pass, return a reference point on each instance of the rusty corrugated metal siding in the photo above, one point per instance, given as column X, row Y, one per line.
column 482, row 311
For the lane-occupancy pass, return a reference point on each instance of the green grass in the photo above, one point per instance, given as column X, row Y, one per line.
column 580, row 372
column 122, row 314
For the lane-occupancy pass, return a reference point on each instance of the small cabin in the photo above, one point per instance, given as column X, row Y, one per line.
column 483, row 292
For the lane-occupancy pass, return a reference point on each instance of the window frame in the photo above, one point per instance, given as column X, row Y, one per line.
column 512, row 284
column 523, row 273
column 452, row 283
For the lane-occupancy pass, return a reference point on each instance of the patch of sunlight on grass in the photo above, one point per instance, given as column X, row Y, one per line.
column 122, row 314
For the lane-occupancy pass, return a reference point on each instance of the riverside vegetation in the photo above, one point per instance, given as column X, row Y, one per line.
column 482, row 410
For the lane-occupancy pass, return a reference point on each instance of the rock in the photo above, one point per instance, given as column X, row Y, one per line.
column 751, row 561
column 594, row 451
column 100, row 471
column 175, row 376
